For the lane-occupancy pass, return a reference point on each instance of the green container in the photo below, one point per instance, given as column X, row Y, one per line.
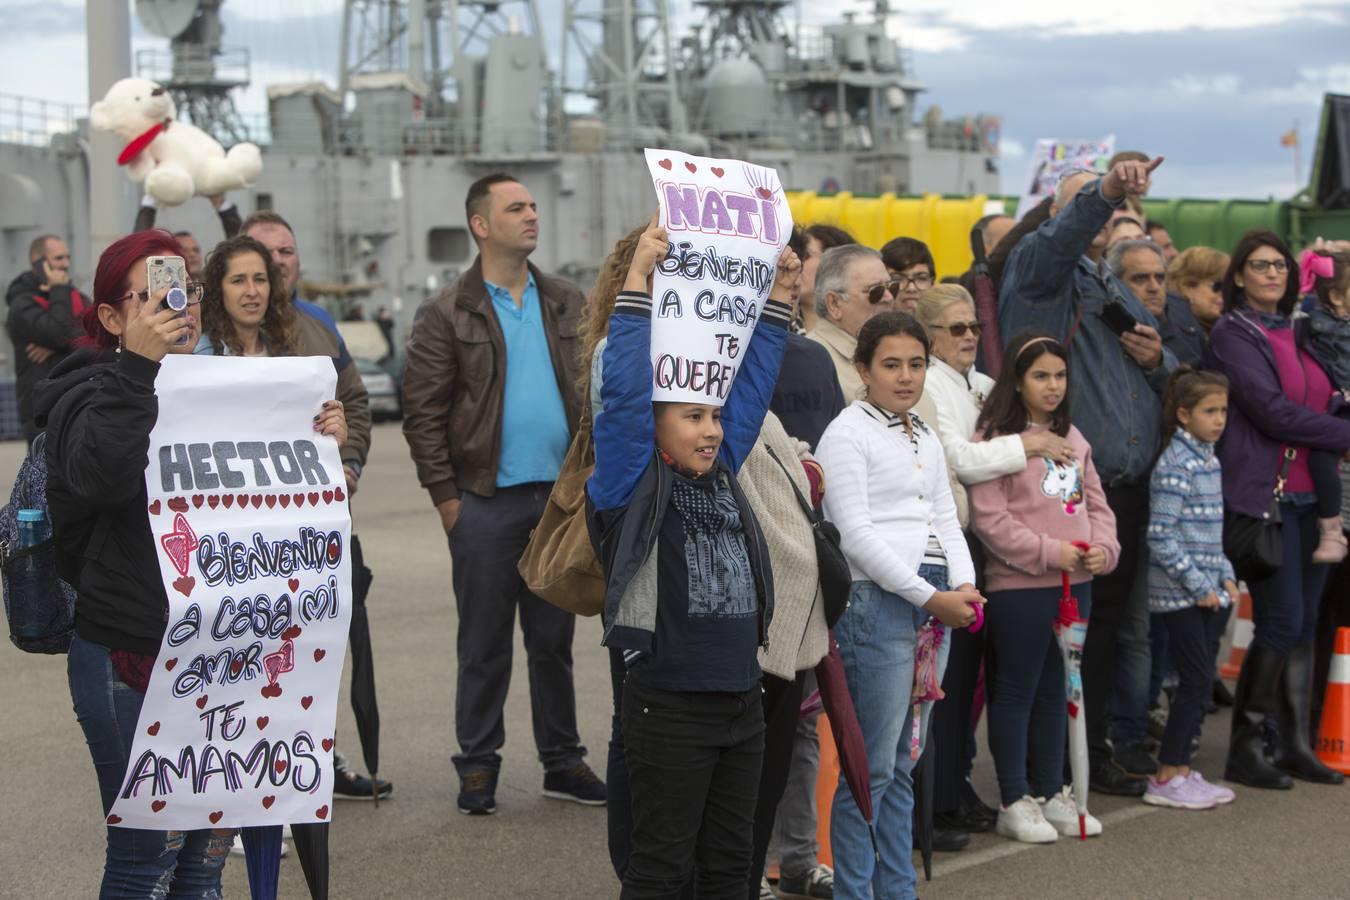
column 1217, row 223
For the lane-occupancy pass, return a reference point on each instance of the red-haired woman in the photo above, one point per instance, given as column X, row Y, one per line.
column 99, row 407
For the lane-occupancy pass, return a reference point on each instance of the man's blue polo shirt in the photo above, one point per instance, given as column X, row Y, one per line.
column 535, row 436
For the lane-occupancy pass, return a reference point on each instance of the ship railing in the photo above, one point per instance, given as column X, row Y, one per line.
column 33, row 121
column 194, row 66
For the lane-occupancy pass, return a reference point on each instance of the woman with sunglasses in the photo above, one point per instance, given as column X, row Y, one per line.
column 910, row 264
column 957, row 393
column 1280, row 409
column 1197, row 276
column 99, row 408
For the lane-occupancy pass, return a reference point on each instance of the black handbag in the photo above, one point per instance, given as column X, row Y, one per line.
column 1252, row 543
column 831, row 564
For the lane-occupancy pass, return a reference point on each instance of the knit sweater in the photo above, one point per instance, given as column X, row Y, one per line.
column 1023, row 519
column 887, row 493
column 1185, row 526
column 798, row 637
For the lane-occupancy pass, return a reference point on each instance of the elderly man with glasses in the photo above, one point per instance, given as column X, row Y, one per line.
column 1142, row 265
column 852, row 286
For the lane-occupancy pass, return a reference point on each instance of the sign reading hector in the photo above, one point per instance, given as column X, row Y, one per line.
column 727, row 222
column 250, row 519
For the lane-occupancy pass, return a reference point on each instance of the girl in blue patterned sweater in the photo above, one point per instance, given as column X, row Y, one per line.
column 1189, row 579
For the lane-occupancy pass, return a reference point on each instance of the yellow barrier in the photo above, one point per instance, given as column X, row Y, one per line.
column 942, row 223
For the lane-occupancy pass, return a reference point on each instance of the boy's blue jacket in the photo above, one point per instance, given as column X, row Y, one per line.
column 628, row 494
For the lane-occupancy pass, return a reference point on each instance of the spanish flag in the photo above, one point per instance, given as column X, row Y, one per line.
column 1289, row 138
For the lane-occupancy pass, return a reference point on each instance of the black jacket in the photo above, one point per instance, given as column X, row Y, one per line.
column 99, row 411
column 45, row 318
column 807, row 396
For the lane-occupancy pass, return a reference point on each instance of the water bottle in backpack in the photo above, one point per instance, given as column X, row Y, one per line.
column 39, row 606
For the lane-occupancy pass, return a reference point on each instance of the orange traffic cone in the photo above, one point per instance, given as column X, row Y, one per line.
column 1333, row 738
column 1243, row 629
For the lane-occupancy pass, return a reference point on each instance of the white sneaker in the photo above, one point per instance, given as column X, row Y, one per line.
column 1023, row 821
column 1061, row 812
column 238, row 848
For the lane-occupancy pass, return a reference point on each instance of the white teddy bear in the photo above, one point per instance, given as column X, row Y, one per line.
column 173, row 159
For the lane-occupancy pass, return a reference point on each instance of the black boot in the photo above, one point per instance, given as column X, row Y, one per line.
column 1257, row 689
column 1295, row 754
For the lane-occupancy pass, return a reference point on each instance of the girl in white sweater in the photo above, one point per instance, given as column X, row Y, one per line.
column 890, row 498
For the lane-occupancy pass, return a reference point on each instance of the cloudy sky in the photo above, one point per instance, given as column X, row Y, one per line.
column 1210, row 85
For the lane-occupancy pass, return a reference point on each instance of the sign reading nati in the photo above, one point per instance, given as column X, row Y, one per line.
column 727, row 221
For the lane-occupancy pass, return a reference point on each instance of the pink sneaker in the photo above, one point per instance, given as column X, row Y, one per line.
column 1178, row 793
column 1220, row 793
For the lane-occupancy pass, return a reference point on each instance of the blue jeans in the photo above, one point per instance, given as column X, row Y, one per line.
column 1285, row 605
column 876, row 637
column 140, row 864
column 1028, row 718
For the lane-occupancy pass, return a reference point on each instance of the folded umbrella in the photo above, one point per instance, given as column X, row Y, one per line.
column 311, row 846
column 262, row 855
column 848, row 736
column 365, row 707
column 1070, row 631
column 986, row 306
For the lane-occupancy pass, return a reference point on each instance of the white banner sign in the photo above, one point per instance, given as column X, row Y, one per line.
column 249, row 515
column 727, row 222
column 1053, row 159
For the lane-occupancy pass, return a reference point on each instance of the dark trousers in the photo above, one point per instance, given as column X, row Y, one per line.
column 952, row 730
column 1028, row 716
column 1112, row 596
column 1284, row 606
column 485, row 545
column 1325, row 468
column 1190, row 645
column 782, row 708
column 693, row 767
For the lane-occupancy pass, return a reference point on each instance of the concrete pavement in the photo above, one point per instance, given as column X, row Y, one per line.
column 1267, row 844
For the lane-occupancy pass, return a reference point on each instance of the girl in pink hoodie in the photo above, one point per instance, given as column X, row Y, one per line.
column 1030, row 522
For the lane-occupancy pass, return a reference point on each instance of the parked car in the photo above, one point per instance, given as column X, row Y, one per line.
column 385, row 401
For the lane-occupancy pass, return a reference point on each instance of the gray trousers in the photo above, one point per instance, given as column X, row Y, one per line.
column 794, row 830
column 485, row 545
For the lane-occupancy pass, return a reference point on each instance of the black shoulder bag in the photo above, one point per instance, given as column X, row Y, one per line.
column 835, row 577
column 1252, row 543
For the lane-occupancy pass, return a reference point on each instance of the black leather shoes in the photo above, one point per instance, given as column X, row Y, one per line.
column 1105, row 777
column 947, row 840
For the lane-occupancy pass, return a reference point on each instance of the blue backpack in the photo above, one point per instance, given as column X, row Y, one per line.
column 39, row 605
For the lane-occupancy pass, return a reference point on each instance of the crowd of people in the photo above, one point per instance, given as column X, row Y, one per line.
column 1150, row 410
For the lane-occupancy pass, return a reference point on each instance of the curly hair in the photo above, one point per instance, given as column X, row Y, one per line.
column 600, row 302
column 278, row 325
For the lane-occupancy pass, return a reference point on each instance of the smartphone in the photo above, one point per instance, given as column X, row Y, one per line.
column 168, row 274
column 1117, row 318
column 40, row 269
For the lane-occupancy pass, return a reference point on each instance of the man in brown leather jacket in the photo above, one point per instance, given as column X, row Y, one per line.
column 491, row 399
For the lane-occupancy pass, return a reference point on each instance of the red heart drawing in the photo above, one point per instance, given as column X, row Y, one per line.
column 719, row 172
column 270, row 500
column 213, row 501
column 153, row 730
column 216, row 816
column 257, row 501
column 201, row 701
column 691, row 167
column 243, row 500
column 339, row 495
column 154, row 508
column 291, row 633
column 185, row 585
column 170, row 663
column 262, row 722
column 271, row 690
column 320, row 654
column 327, row 496
column 299, row 499
column 322, row 811
column 198, row 500
column 327, row 744
column 237, row 666
column 177, row 504
column 665, row 164
column 313, row 498
column 285, row 500
column 280, row 766
column 157, row 805
column 113, row 820
column 228, row 500
column 269, row 800
column 306, row 700
column 293, row 584
column 764, row 192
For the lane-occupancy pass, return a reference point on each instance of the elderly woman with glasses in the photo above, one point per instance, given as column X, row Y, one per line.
column 1282, row 409
column 956, row 392
column 1196, row 275
column 910, row 264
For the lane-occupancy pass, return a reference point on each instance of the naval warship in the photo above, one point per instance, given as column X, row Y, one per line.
column 371, row 170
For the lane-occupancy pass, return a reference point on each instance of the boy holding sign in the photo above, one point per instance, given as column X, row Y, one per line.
column 689, row 591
